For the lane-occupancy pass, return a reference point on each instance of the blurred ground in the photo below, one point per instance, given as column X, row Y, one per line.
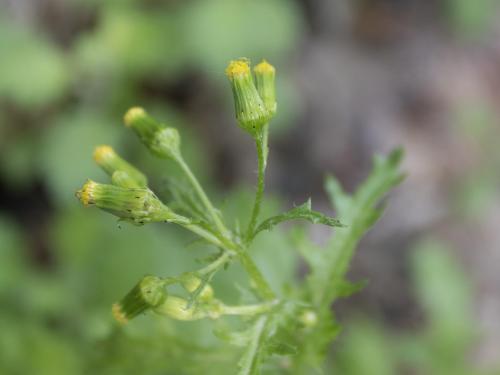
column 355, row 78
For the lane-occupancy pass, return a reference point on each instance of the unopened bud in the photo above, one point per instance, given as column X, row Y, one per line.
column 111, row 162
column 146, row 294
column 266, row 87
column 308, row 318
column 250, row 110
column 161, row 140
column 191, row 283
column 135, row 205
column 177, row 308
column 122, row 179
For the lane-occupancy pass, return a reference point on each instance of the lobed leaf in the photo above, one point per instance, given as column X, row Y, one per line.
column 303, row 212
column 328, row 266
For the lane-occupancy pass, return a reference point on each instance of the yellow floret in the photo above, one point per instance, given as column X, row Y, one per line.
column 132, row 114
column 118, row 314
column 85, row 194
column 101, row 153
column 237, row 68
column 264, row 67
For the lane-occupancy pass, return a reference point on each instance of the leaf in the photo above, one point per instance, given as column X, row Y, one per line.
column 360, row 211
column 304, row 212
column 280, row 347
column 326, row 280
column 249, row 364
column 239, row 338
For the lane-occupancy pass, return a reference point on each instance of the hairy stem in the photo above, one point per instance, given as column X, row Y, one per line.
column 216, row 264
column 203, row 197
column 261, row 145
column 261, row 285
column 249, row 309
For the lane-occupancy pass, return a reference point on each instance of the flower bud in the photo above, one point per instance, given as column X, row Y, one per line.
column 191, row 282
column 135, row 205
column 308, row 318
column 250, row 110
column 166, row 143
column 146, row 294
column 161, row 140
column 122, row 179
column 177, row 308
column 264, row 81
column 110, row 162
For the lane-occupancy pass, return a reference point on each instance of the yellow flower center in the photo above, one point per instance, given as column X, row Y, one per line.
column 132, row 114
column 101, row 153
column 237, row 68
column 86, row 193
column 118, row 314
column 264, row 67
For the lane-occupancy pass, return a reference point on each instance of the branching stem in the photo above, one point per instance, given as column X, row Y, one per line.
column 203, row 197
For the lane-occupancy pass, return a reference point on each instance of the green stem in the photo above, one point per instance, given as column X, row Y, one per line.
column 203, row 197
column 248, row 309
column 203, row 233
column 261, row 285
column 261, row 145
column 216, row 264
column 225, row 242
column 231, row 249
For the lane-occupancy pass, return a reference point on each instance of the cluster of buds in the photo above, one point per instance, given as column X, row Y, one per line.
column 150, row 294
column 254, row 101
column 161, row 140
column 191, row 283
column 128, row 197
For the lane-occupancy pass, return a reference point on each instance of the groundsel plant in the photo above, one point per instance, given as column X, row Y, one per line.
column 288, row 330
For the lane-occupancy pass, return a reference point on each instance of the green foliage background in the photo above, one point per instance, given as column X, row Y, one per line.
column 61, row 268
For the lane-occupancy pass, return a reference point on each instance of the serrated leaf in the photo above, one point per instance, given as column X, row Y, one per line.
column 360, row 212
column 303, row 212
column 328, row 267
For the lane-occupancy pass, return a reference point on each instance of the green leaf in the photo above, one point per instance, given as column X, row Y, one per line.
column 303, row 212
column 238, row 338
column 360, row 211
column 249, row 363
column 326, row 280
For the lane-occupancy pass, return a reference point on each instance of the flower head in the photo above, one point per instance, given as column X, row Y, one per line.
column 264, row 81
column 134, row 205
column 147, row 294
column 111, row 162
column 251, row 113
column 161, row 140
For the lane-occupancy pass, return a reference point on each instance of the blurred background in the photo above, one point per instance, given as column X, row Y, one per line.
column 355, row 78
